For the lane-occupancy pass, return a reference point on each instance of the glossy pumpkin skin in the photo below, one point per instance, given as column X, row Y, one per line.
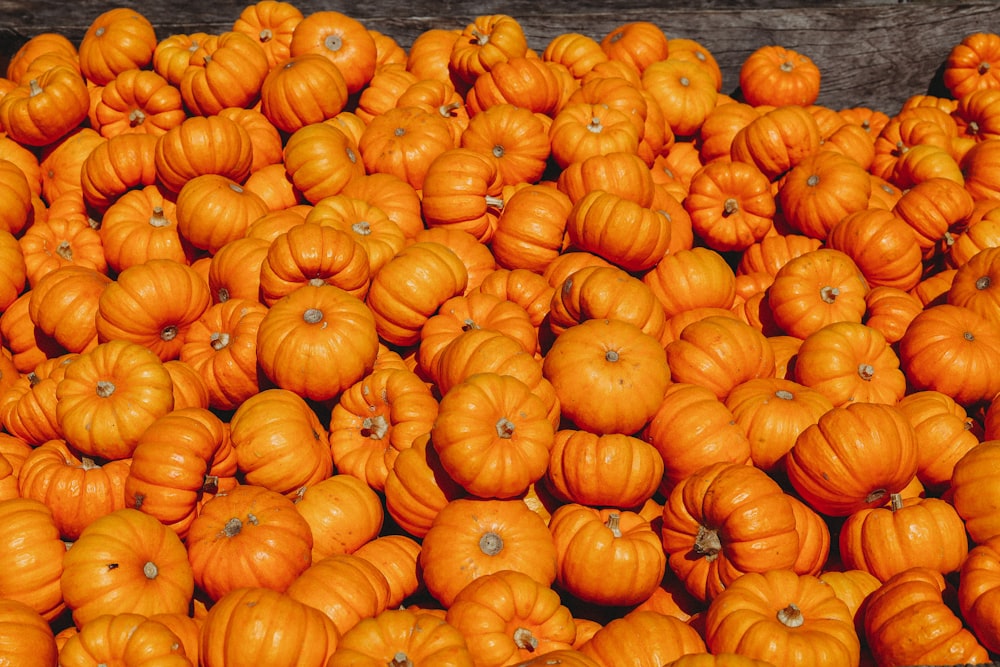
column 507, row 616
column 637, row 239
column 945, row 433
column 972, row 493
column 182, row 152
column 26, row 637
column 619, row 543
column 346, row 588
column 906, row 602
column 264, row 542
column 852, row 458
column 46, row 108
column 707, row 536
column 342, row 512
column 126, row 561
column 778, row 616
column 773, row 75
column 608, row 374
column 123, row 637
column 279, row 441
column 925, row 532
column 485, row 536
column 230, row 633
column 110, row 395
column 603, row 470
column 33, row 557
column 778, row 140
column 317, row 341
column 645, row 638
column 978, row 588
column 973, row 341
column 414, row 636
column 596, row 292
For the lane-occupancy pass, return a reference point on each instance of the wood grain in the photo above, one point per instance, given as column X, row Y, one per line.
column 873, row 53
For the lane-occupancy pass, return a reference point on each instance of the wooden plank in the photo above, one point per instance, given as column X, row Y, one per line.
column 872, row 52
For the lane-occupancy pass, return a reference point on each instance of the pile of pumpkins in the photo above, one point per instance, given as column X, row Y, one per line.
column 318, row 351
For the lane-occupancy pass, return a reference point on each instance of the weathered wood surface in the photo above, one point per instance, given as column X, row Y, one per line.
column 872, row 53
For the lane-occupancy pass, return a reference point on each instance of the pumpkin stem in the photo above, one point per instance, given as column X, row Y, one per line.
column 791, row 616
column 65, row 250
column 232, row 527
column 786, row 66
column 448, row 110
column 829, row 294
column 498, row 151
column 495, row 202
column 168, row 333
column 707, row 543
column 362, row 227
column 400, row 660
column 968, row 335
column 150, row 570
column 136, row 118
column 219, row 340
column 524, row 640
column 595, row 125
column 223, row 294
column 157, row 219
column 505, row 428
column 33, row 88
column 875, row 496
column 612, row 523
column 813, row 180
column 375, row 427
column 611, row 355
column 866, row 372
column 265, row 35
column 316, row 282
column 313, row 316
column 333, row 42
column 730, row 206
column 983, row 68
column 895, row 502
column 784, row 395
column 88, row 463
column 105, row 388
column 211, row 484
column 469, row 324
column 490, row 543
column 482, row 38
column 983, row 283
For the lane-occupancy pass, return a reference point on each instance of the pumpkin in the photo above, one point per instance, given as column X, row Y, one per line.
column 402, row 637
column 213, row 210
column 493, row 435
column 848, row 362
column 367, row 223
column 126, row 562
column 341, row 39
column 344, row 587
column 523, row 81
column 853, row 457
column 279, row 441
column 608, row 374
column 401, row 305
column 288, row 94
column 117, row 40
column 377, row 418
column 507, row 615
column 692, row 428
column 621, row 544
column 971, row 492
column 484, row 536
column 45, row 108
column 881, row 244
column 977, row 589
column 396, row 558
column 26, row 637
column 731, row 205
column 232, row 632
column 33, row 557
column 645, row 638
column 910, row 600
column 603, row 469
column 778, row 140
column 782, row 617
column 170, row 466
column 774, row 75
column 970, row 64
column 705, row 533
column 597, row 292
column 315, row 255
column 248, row 536
column 64, row 304
column 972, row 342
column 202, row 145
column 717, row 660
column 17, row 194
column 417, row 487
column 316, row 328
column 271, row 23
column 773, row 412
column 719, row 353
column 342, row 512
column 138, row 101
column 123, row 637
column 945, row 433
column 916, row 532
column 140, row 225
column 684, row 90
column 233, row 67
